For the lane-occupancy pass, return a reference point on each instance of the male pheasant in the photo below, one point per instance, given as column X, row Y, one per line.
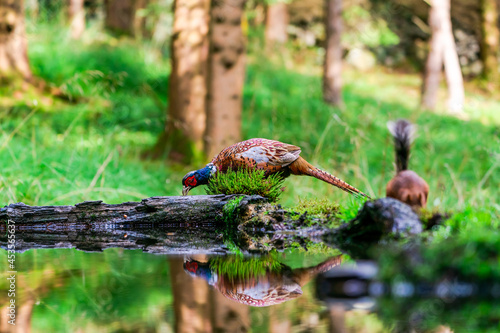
column 265, row 289
column 406, row 186
column 262, row 154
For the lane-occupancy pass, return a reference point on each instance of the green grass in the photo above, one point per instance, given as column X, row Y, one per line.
column 61, row 152
column 238, row 267
column 250, row 182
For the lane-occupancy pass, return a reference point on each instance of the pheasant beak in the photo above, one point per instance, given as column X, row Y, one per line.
column 185, row 189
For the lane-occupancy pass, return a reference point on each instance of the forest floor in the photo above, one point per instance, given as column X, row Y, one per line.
column 55, row 152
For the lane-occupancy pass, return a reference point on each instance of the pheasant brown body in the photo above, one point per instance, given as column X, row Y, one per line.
column 267, row 289
column 407, row 186
column 274, row 157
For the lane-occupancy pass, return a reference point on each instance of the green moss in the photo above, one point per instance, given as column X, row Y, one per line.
column 229, row 209
column 350, row 211
column 249, row 182
column 316, row 207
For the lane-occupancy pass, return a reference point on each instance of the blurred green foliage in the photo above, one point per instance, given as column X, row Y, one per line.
column 76, row 290
column 466, row 248
column 366, row 31
column 89, row 146
column 55, row 152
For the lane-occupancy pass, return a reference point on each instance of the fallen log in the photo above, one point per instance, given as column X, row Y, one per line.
column 177, row 224
column 185, row 209
column 157, row 224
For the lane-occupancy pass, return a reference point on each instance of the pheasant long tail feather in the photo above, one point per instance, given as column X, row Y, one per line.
column 302, row 167
column 303, row 275
column 328, row 264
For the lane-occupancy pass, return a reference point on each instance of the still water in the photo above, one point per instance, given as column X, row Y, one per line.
column 162, row 279
column 118, row 290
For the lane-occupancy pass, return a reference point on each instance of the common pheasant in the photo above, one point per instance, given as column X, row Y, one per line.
column 262, row 154
column 269, row 288
column 406, row 186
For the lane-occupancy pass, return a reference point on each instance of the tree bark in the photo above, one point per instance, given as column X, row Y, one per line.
column 76, row 18
column 156, row 225
column 276, row 23
column 279, row 319
column 227, row 315
column 226, row 75
column 442, row 51
column 191, row 307
column 24, row 313
column 13, row 44
column 121, row 16
column 183, row 136
column 434, row 64
column 332, row 76
column 182, row 209
column 336, row 323
column 490, row 41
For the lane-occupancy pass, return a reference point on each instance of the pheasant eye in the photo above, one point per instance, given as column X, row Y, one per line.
column 191, row 181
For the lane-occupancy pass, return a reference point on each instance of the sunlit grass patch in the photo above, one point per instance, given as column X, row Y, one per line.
column 249, row 182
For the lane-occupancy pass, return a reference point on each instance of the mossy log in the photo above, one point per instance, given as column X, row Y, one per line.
column 185, row 209
column 157, row 224
column 182, row 224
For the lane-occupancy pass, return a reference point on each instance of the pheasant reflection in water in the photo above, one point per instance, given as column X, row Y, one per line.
column 266, row 289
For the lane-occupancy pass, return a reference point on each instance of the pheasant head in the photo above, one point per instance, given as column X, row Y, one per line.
column 198, row 177
column 199, row 269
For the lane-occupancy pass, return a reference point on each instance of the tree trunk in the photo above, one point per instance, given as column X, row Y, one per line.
column 13, row 44
column 434, row 64
column 183, row 136
column 226, row 75
column 336, row 323
column 442, row 51
column 140, row 27
column 191, row 308
column 332, row 76
column 490, row 41
column 121, row 16
column 279, row 319
column 76, row 18
column 276, row 23
column 227, row 315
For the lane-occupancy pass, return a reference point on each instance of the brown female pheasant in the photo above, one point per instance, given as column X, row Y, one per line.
column 262, row 154
column 406, row 186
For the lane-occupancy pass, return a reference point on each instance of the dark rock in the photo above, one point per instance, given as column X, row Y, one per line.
column 382, row 219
